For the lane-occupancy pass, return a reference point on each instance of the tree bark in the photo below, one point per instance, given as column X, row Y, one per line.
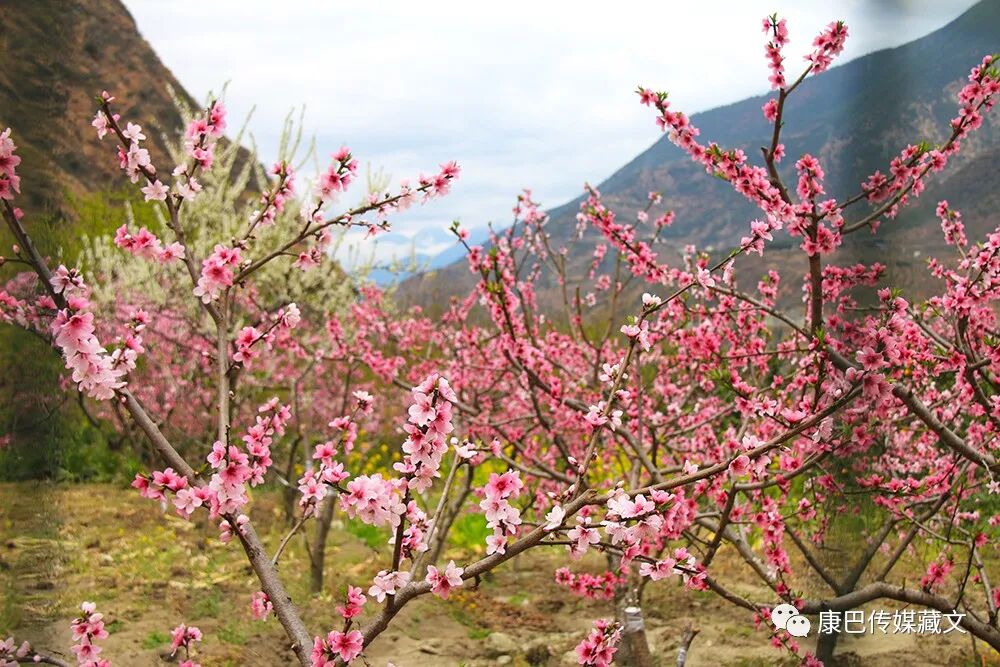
column 690, row 632
column 825, row 646
column 319, row 545
column 291, row 493
column 634, row 649
column 448, row 517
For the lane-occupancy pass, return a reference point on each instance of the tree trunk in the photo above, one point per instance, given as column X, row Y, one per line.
column 448, row 516
column 634, row 641
column 633, row 651
column 290, row 492
column 690, row 632
column 319, row 545
column 825, row 646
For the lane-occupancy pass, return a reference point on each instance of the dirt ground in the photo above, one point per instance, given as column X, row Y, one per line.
column 149, row 571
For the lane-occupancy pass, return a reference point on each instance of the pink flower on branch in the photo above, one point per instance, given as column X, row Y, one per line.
column 343, row 645
column 260, row 606
column 600, row 646
column 442, row 582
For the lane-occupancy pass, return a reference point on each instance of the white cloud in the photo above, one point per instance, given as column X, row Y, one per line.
column 522, row 94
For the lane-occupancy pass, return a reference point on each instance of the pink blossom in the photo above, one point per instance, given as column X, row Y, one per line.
column 348, row 645
column 422, row 410
column 554, row 518
column 260, row 605
column 155, row 191
column 374, row 500
column 443, row 582
column 188, row 500
column 740, row 465
column 387, row 583
column 133, row 132
column 184, row 636
column 600, row 646
column 101, row 124
column 770, row 109
column 658, row 570
column 581, row 537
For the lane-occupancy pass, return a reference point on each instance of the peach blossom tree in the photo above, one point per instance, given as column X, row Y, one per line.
column 700, row 417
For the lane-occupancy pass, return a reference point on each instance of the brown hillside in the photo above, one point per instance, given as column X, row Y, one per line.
column 57, row 56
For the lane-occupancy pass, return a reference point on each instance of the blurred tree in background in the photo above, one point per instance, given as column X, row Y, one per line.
column 50, row 432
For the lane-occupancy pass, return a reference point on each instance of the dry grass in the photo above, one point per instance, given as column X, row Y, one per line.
column 149, row 571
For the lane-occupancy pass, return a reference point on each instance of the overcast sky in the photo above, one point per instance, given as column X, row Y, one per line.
column 523, row 94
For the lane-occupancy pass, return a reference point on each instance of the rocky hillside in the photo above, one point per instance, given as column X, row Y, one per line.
column 57, row 56
column 854, row 117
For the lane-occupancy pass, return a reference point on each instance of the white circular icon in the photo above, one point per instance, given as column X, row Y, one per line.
column 798, row 626
column 781, row 614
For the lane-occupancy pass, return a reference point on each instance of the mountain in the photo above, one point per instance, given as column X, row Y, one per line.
column 57, row 56
column 855, row 117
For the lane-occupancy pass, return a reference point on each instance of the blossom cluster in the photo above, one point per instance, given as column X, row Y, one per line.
column 977, row 97
column 10, row 182
column 260, row 605
column 387, row 583
column 639, row 254
column 314, row 485
column 136, row 162
column 826, row 46
column 936, row 574
column 584, row 584
column 778, row 28
column 226, row 492
column 630, row 522
column 752, row 181
column 600, row 646
column 273, row 201
column 501, row 517
column 355, row 601
column 252, row 341
column 12, row 653
column 97, row 373
column 427, row 430
column 88, row 628
column 336, row 646
column 236, row 468
column 909, row 169
column 337, row 177
column 145, row 244
column 217, row 272
column 184, row 636
column 445, row 580
column 200, row 137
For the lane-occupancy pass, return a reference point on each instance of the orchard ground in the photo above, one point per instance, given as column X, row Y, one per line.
column 148, row 571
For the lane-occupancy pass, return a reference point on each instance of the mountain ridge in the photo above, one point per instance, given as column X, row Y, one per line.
column 855, row 117
column 58, row 56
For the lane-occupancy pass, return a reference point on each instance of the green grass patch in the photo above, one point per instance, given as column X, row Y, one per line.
column 155, row 639
column 233, row 632
column 373, row 536
column 10, row 611
column 518, row 599
column 469, row 533
column 207, row 606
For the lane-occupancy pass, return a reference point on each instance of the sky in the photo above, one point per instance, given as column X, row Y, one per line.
column 522, row 94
